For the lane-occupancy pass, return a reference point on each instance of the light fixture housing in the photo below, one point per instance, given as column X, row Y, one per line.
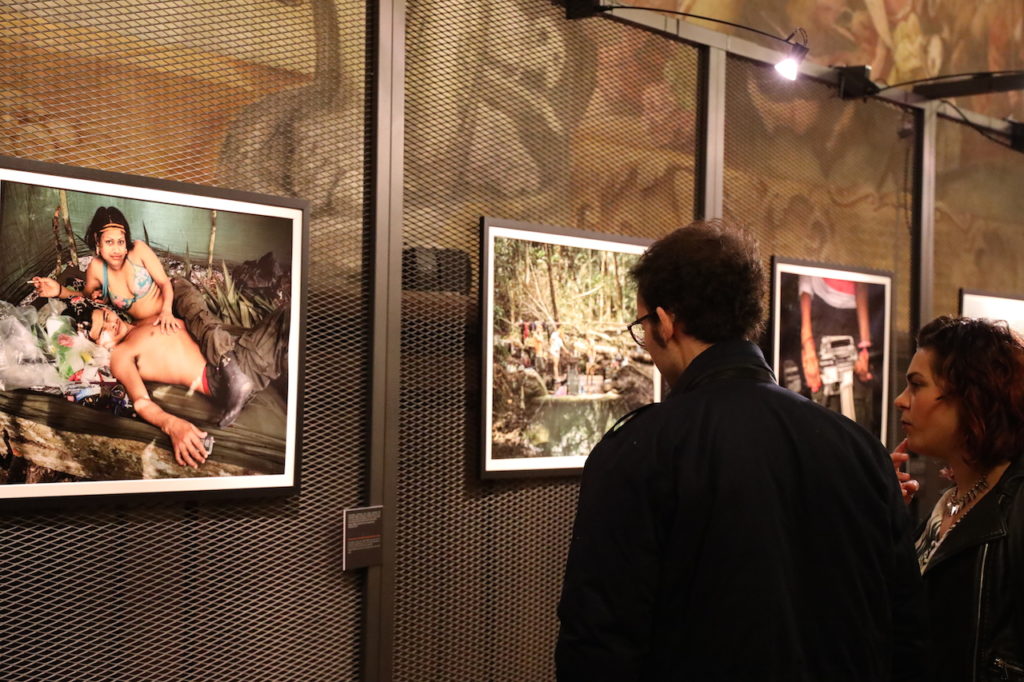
column 855, row 82
column 581, row 9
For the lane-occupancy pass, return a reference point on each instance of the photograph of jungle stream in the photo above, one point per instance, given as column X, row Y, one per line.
column 564, row 367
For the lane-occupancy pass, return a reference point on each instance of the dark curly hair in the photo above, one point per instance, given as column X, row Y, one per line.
column 980, row 363
column 105, row 215
column 709, row 275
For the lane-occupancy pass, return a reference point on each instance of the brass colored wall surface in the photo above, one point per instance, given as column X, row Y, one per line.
column 260, row 96
column 821, row 179
column 515, row 113
column 979, row 216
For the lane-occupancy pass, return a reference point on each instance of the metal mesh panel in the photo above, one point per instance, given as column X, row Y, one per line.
column 208, row 91
column 516, row 113
column 978, row 236
column 822, row 179
column 978, row 216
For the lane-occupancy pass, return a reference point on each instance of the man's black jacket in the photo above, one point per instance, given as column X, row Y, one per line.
column 738, row 531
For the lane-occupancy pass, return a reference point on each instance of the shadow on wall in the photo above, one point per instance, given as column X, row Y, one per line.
column 289, row 143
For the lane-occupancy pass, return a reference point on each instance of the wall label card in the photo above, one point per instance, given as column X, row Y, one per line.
column 362, row 531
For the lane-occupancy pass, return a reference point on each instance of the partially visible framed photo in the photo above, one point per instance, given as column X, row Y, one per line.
column 150, row 337
column 993, row 307
column 559, row 366
column 831, row 337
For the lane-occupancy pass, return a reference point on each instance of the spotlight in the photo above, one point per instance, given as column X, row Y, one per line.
column 789, row 67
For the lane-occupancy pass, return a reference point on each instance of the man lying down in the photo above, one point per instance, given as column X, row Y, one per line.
column 228, row 368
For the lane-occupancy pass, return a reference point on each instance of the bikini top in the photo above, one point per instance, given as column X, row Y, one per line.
column 143, row 282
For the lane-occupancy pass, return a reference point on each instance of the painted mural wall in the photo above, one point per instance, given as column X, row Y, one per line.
column 900, row 39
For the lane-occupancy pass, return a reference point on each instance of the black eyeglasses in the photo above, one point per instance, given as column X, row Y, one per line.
column 636, row 328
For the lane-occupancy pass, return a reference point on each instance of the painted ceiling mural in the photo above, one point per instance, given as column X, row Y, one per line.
column 900, row 39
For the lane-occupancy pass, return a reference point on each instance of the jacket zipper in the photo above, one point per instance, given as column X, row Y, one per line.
column 1005, row 668
column 977, row 622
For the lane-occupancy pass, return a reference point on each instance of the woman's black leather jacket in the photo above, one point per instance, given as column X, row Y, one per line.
column 975, row 587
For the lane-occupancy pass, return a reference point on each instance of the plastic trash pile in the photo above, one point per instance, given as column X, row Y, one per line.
column 42, row 352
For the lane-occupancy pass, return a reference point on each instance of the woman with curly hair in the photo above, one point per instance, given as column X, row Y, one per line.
column 964, row 406
column 126, row 273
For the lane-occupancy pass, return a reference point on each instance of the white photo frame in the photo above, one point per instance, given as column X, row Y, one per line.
column 847, row 312
column 72, row 439
column 524, row 404
column 993, row 307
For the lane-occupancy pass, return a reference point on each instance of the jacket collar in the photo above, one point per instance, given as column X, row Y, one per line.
column 986, row 521
column 732, row 354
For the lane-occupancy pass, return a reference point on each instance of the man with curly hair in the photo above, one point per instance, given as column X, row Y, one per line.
column 735, row 531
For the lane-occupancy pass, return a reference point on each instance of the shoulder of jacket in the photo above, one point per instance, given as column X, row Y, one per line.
column 630, row 417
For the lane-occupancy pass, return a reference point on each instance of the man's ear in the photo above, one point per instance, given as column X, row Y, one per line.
column 666, row 323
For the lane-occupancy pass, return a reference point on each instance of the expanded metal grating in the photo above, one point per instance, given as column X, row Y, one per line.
column 821, row 179
column 978, row 235
column 979, row 216
column 516, row 113
column 206, row 91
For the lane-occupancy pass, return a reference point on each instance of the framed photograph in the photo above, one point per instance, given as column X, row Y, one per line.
column 560, row 367
column 831, row 337
column 993, row 307
column 150, row 337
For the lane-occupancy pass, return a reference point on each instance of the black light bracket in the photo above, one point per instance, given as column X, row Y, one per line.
column 581, row 9
column 855, row 82
column 1017, row 136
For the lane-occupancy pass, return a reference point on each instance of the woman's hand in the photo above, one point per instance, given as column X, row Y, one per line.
column 908, row 486
column 46, row 287
column 167, row 323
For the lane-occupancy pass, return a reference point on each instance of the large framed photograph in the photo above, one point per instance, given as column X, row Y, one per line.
column 993, row 307
column 559, row 366
column 151, row 337
column 831, row 337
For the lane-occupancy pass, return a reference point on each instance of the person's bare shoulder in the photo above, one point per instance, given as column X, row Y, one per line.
column 122, row 357
column 141, row 248
column 127, row 347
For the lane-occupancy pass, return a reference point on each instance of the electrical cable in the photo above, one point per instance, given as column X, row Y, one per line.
column 801, row 40
column 974, row 125
column 800, row 33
